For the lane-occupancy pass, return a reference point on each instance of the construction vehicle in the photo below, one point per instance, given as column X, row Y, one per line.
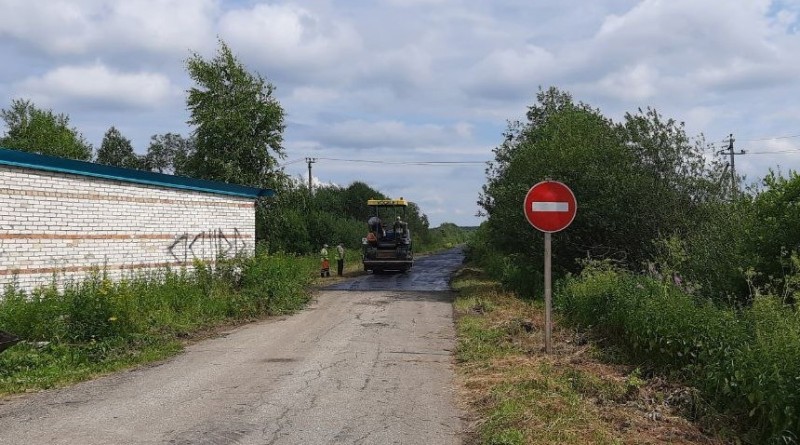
column 387, row 245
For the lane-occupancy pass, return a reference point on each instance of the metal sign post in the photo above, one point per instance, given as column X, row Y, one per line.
column 548, row 293
column 549, row 206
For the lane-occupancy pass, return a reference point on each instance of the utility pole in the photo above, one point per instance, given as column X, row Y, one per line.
column 310, row 161
column 732, row 154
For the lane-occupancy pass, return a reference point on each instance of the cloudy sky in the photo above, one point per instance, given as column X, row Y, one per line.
column 417, row 80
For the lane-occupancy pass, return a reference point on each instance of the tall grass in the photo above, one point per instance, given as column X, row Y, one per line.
column 99, row 324
column 745, row 362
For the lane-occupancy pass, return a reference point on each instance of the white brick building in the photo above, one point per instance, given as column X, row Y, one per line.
column 61, row 218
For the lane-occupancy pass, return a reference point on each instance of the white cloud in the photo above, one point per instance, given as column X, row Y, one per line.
column 288, row 38
column 695, row 48
column 511, row 73
column 73, row 28
column 405, row 70
column 314, row 95
column 161, row 26
column 97, row 83
column 416, row 3
column 55, row 26
column 637, row 83
column 361, row 134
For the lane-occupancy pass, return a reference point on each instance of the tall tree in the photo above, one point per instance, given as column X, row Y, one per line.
column 41, row 131
column 169, row 153
column 238, row 123
column 117, row 150
column 635, row 182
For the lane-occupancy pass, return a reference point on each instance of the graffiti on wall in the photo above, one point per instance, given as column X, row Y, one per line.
column 207, row 245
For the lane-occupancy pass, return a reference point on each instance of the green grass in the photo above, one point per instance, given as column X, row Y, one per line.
column 520, row 400
column 745, row 363
column 100, row 326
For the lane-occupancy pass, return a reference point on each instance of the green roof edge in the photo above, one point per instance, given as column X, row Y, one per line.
column 35, row 161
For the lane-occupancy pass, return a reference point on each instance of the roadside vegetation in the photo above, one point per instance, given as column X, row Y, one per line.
column 668, row 267
column 519, row 395
column 98, row 325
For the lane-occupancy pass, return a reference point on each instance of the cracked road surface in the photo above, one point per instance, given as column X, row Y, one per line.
column 356, row 367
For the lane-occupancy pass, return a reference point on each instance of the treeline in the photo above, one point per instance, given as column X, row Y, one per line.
column 698, row 277
column 299, row 222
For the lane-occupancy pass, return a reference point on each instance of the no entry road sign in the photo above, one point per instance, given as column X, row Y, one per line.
column 550, row 206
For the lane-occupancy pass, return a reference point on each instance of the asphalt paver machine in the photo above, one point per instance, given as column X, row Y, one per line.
column 387, row 245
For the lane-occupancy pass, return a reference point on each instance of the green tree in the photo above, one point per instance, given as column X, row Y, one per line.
column 169, row 153
column 117, row 150
column 238, row 123
column 41, row 131
column 635, row 183
column 355, row 200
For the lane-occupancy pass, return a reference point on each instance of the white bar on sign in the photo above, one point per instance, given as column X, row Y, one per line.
column 550, row 206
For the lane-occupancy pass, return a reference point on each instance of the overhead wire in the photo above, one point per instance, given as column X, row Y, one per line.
column 373, row 161
column 773, row 138
column 292, row 162
column 795, row 150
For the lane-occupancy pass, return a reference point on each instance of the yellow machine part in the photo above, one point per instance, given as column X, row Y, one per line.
column 387, row 202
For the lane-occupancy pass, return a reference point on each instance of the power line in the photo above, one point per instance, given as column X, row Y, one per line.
column 773, row 138
column 291, row 162
column 776, row 152
column 372, row 161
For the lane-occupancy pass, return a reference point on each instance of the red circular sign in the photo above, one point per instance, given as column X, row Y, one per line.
column 550, row 206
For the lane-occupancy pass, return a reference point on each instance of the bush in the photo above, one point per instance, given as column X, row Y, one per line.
column 746, row 363
column 158, row 303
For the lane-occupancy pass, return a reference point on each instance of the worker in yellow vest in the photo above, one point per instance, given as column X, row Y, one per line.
column 339, row 259
column 325, row 270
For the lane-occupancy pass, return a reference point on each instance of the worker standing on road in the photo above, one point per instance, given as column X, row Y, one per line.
column 339, row 259
column 325, row 270
column 398, row 230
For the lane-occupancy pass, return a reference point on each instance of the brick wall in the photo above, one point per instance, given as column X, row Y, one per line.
column 63, row 225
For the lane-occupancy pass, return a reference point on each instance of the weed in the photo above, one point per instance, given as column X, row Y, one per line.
column 745, row 362
column 99, row 325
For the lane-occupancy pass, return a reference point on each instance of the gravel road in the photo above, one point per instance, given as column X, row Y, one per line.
column 370, row 364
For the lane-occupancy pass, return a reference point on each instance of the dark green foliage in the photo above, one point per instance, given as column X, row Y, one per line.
column 743, row 362
column 513, row 271
column 41, row 131
column 98, row 308
column 238, row 122
column 169, row 153
column 449, row 235
column 774, row 234
column 735, row 246
column 295, row 222
column 117, row 150
column 634, row 182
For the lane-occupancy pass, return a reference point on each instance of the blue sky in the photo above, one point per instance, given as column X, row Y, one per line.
column 417, row 80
